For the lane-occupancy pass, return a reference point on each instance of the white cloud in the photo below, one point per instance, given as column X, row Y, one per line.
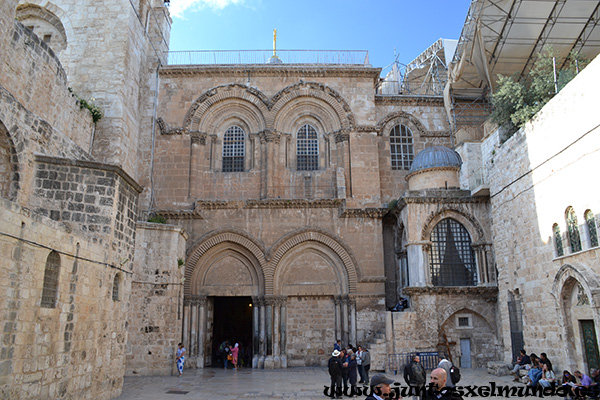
column 179, row 7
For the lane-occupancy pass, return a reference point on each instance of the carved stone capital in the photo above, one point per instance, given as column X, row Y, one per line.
column 341, row 137
column 269, row 136
column 198, row 138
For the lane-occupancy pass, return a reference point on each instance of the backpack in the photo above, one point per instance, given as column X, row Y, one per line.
column 334, row 367
column 455, row 374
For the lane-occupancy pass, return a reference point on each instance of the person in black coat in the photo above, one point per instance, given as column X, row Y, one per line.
column 380, row 385
column 335, row 372
column 438, row 389
column 353, row 373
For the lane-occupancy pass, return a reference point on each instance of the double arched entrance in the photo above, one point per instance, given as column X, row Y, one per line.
column 285, row 305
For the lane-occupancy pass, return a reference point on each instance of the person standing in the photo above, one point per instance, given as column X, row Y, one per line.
column 361, row 372
column 439, row 387
column 380, row 385
column 366, row 363
column 180, row 358
column 337, row 345
column 446, row 365
column 352, row 374
column 416, row 377
column 335, row 372
column 234, row 354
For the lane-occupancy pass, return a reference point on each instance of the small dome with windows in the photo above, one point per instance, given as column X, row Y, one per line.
column 435, row 167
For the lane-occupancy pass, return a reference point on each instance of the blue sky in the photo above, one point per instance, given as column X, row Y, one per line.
column 378, row 26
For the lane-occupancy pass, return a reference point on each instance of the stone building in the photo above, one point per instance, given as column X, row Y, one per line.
column 302, row 200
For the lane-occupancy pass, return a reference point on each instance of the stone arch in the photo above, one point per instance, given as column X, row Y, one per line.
column 568, row 280
column 252, row 103
column 467, row 220
column 481, row 333
column 318, row 240
column 51, row 18
column 9, row 166
column 483, row 309
column 323, row 97
column 385, row 125
column 218, row 244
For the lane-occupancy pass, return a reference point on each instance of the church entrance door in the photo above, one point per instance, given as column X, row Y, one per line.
column 232, row 321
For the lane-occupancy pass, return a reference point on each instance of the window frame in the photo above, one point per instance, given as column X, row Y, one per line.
column 573, row 230
column 234, row 150
column 402, row 147
column 590, row 221
column 307, row 148
column 444, row 273
column 51, row 281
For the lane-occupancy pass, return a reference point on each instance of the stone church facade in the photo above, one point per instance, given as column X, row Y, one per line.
column 300, row 204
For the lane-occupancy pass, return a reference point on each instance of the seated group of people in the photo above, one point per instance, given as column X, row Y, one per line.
column 540, row 372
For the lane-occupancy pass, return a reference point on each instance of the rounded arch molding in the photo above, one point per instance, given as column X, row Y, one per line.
column 209, row 242
column 468, row 221
column 484, row 310
column 235, row 91
column 298, row 238
column 582, row 274
column 314, row 90
column 400, row 117
column 52, row 13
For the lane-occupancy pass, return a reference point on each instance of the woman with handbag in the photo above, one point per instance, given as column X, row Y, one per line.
column 234, row 353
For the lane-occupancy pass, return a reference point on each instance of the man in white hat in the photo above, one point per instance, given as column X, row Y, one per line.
column 335, row 371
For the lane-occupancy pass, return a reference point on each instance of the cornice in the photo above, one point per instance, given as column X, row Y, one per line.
column 441, row 196
column 364, row 212
column 488, row 293
column 409, row 100
column 291, row 203
column 422, row 171
column 300, row 70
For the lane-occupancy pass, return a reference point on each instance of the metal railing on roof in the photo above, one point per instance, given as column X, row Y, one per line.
column 237, row 57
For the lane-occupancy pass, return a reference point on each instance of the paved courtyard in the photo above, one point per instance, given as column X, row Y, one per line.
column 291, row 383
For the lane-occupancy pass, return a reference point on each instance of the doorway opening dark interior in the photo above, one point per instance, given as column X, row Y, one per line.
column 232, row 321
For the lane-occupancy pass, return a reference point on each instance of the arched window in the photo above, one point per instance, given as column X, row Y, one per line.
column 401, row 147
column 51, row 272
column 115, row 288
column 590, row 221
column 558, row 241
column 573, row 228
column 452, row 257
column 307, row 149
column 234, row 149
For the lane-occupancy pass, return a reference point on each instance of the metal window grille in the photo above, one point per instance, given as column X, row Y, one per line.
column 463, row 321
column 591, row 223
column 574, row 239
column 115, row 291
column 50, row 288
column 558, row 241
column 452, row 257
column 234, row 149
column 307, row 149
column 401, row 147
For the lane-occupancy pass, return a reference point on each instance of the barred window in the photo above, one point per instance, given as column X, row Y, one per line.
column 401, row 147
column 51, row 272
column 590, row 221
column 452, row 257
column 307, row 149
column 115, row 289
column 234, row 149
column 558, row 241
column 573, row 228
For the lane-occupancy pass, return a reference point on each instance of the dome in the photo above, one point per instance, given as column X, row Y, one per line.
column 435, row 157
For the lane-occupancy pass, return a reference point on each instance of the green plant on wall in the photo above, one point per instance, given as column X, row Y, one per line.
column 157, row 219
column 93, row 108
column 517, row 101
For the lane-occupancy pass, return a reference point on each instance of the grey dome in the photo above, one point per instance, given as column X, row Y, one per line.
column 435, row 157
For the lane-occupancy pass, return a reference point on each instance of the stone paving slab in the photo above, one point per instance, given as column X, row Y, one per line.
column 291, row 383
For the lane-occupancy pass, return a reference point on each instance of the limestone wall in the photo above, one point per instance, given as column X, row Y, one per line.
column 155, row 316
column 77, row 348
column 534, row 176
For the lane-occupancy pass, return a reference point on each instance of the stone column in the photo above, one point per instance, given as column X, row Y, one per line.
column 262, row 343
column 186, row 322
column 283, row 332
column 337, row 312
column 270, row 141
column 489, row 263
column 342, row 142
column 201, row 330
column 196, row 160
column 345, row 329
column 276, row 332
column 269, row 363
column 255, row 331
column 480, row 264
column 193, row 349
column 352, row 302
